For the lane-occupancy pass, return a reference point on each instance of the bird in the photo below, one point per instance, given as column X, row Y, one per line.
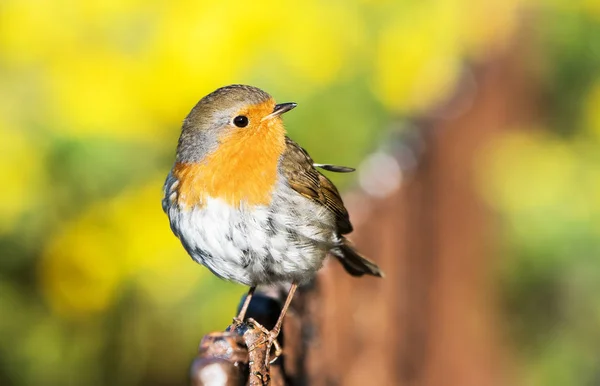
column 249, row 203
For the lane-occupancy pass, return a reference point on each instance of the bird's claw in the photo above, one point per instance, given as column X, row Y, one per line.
column 270, row 339
column 235, row 323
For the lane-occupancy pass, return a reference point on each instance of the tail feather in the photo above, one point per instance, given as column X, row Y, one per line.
column 354, row 263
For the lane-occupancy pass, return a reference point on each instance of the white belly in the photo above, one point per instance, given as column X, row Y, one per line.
column 285, row 241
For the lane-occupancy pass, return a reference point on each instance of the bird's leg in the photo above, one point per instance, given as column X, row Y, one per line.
column 274, row 333
column 242, row 314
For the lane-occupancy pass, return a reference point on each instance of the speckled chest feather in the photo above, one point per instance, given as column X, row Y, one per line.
column 286, row 240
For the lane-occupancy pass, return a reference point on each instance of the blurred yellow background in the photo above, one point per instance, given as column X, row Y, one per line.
column 95, row 289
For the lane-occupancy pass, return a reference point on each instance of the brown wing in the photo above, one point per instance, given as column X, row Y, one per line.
column 306, row 180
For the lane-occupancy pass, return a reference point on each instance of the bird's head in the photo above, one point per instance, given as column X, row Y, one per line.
column 230, row 114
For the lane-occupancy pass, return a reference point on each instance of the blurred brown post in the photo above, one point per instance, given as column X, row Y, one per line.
column 432, row 320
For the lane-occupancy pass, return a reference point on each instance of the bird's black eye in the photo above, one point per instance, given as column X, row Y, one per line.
column 240, row 121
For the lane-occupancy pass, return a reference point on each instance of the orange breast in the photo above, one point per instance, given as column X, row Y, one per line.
column 243, row 168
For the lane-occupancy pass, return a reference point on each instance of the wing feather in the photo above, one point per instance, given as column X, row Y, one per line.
column 302, row 176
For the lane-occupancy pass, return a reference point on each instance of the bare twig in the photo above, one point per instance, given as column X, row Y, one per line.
column 239, row 356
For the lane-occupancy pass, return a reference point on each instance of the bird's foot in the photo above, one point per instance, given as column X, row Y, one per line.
column 270, row 339
column 235, row 323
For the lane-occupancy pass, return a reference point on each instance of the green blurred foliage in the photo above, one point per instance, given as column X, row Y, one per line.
column 94, row 288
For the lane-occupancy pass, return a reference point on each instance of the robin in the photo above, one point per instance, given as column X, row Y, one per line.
column 248, row 203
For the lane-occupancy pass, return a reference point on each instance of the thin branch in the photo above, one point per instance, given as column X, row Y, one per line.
column 239, row 356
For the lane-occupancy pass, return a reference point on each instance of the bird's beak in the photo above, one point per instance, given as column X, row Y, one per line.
column 280, row 109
